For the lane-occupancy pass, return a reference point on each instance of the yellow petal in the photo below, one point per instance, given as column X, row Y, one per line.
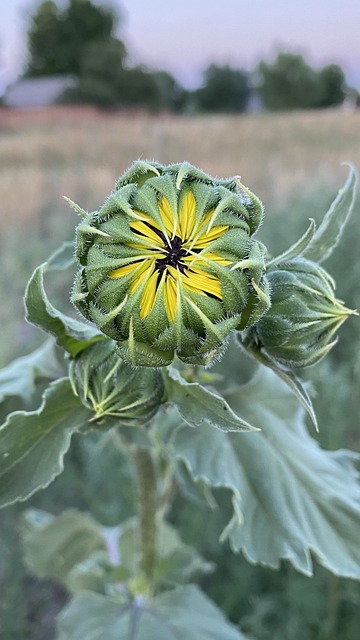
column 146, row 218
column 198, row 281
column 170, row 296
column 203, row 258
column 167, row 216
column 201, row 282
column 187, row 216
column 148, row 295
column 123, row 271
column 144, row 271
column 204, row 239
column 146, row 232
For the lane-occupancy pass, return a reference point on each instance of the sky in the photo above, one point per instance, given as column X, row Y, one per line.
column 185, row 36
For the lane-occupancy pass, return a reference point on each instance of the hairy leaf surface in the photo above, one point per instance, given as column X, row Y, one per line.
column 71, row 334
column 333, row 224
column 19, row 377
column 33, row 444
column 291, row 498
column 198, row 405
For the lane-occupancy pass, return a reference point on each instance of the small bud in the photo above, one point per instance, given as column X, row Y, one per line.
column 168, row 265
column 112, row 389
column 298, row 330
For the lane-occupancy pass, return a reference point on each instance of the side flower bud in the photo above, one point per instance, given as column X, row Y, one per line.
column 168, row 265
column 112, row 389
column 298, row 330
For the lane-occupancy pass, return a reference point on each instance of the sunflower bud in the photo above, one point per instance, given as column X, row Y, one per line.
column 113, row 389
column 168, row 264
column 298, row 330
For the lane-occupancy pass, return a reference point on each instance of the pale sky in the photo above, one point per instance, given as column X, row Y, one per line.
column 183, row 37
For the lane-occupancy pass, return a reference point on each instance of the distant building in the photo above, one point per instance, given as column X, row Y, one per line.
column 37, row 92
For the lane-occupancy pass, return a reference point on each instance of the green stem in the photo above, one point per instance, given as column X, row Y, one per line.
column 146, row 475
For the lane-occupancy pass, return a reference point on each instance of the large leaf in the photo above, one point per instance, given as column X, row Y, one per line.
column 291, row 498
column 55, row 545
column 286, row 375
column 63, row 257
column 19, row 377
column 71, row 334
column 184, row 613
column 333, row 224
column 198, row 405
column 32, row 445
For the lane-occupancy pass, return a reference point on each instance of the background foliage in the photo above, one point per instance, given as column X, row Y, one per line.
column 81, row 38
column 293, row 163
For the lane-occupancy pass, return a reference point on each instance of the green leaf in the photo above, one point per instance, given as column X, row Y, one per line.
column 184, row 613
column 71, row 334
column 296, row 249
column 291, row 498
column 62, row 258
column 55, row 545
column 20, row 376
column 33, row 445
column 198, row 405
column 331, row 228
column 288, row 376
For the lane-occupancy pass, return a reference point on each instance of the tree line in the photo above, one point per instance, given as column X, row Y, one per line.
column 79, row 39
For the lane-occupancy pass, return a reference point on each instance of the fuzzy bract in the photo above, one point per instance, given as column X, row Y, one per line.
column 299, row 329
column 112, row 389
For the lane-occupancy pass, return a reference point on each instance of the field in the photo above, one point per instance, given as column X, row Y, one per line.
column 293, row 162
column 80, row 152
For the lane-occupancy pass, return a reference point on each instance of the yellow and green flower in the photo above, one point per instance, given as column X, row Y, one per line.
column 169, row 266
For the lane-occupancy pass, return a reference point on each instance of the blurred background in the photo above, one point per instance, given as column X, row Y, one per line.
column 266, row 91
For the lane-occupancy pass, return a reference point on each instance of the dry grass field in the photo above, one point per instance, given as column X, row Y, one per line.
column 79, row 152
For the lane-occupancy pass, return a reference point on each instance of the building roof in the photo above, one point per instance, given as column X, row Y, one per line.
column 37, row 92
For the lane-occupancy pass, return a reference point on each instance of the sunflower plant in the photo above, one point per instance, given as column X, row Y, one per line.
column 185, row 357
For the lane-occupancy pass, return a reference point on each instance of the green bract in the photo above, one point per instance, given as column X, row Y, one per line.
column 168, row 264
column 298, row 330
column 112, row 389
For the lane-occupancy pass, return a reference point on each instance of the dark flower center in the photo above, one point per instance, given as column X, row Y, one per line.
column 173, row 257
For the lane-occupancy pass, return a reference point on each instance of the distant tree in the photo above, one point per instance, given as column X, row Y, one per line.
column 288, row 83
column 332, row 86
column 79, row 39
column 104, row 81
column 171, row 95
column 291, row 83
column 57, row 37
column 100, row 73
column 225, row 90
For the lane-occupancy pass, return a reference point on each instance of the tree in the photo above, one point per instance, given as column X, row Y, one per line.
column 288, row 83
column 225, row 90
column 79, row 40
column 104, row 81
column 332, row 81
column 291, row 83
column 57, row 38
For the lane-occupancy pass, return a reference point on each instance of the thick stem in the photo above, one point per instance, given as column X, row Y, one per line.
column 146, row 474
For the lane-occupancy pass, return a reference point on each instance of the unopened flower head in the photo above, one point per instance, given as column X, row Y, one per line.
column 299, row 328
column 113, row 389
column 169, row 266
